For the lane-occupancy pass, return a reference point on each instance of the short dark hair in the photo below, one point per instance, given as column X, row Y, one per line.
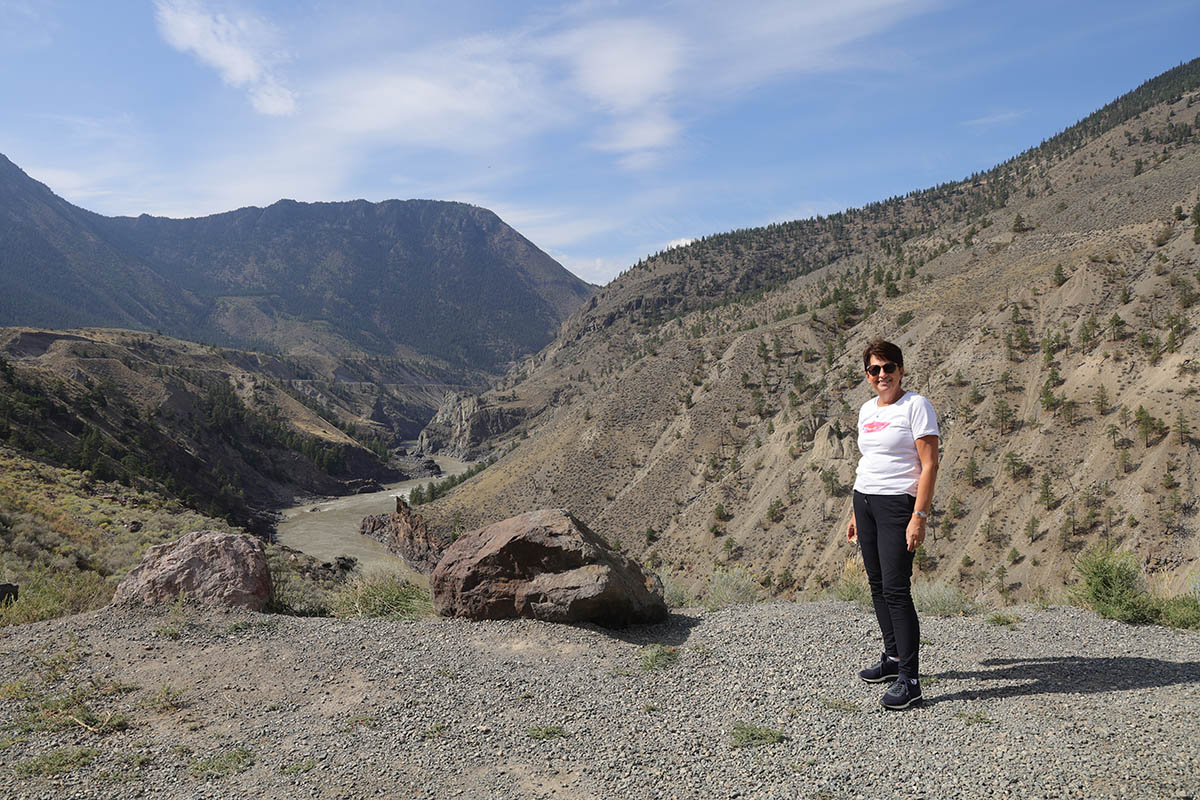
column 885, row 350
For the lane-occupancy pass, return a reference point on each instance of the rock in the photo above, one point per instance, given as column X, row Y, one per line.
column 406, row 534
column 546, row 565
column 209, row 566
column 463, row 423
column 831, row 443
column 8, row 593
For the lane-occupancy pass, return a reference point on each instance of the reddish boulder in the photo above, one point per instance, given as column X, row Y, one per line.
column 405, row 534
column 208, row 566
column 546, row 565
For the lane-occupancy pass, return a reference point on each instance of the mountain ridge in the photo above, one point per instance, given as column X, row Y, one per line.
column 698, row 409
column 443, row 280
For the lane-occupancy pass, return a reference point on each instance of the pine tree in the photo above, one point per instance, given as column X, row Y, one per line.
column 1002, row 414
column 1101, row 400
column 1046, row 496
column 971, row 472
column 1182, row 429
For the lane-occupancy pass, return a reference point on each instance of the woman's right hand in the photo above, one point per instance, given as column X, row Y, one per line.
column 851, row 529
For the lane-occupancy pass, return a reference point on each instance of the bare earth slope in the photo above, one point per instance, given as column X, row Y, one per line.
column 237, row 705
column 1041, row 305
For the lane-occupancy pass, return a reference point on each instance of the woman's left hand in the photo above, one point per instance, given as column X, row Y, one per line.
column 915, row 533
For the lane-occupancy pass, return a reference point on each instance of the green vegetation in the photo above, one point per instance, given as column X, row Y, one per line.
column 730, row 586
column 1001, row 619
column 675, row 592
column 381, row 594
column 746, row 735
column 1114, row 586
column 165, row 699
column 298, row 767
column 222, row 764
column 435, row 489
column 67, row 538
column 57, row 762
column 658, row 656
column 543, row 732
column 50, row 703
column 852, row 584
column 941, row 599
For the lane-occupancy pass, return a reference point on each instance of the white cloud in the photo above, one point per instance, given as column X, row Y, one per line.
column 627, row 69
column 592, row 270
column 995, row 119
column 624, row 65
column 739, row 50
column 238, row 47
column 651, row 131
column 678, row 243
column 467, row 95
column 24, row 26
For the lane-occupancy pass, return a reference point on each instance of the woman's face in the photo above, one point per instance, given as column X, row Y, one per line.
column 886, row 384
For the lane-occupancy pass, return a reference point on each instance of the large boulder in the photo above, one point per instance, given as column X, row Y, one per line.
column 546, row 565
column 406, row 534
column 208, row 566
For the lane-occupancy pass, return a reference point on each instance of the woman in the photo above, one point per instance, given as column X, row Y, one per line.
column 893, row 489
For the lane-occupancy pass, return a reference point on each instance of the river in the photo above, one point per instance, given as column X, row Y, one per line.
column 325, row 529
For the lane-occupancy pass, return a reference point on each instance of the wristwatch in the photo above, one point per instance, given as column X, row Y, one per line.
column 922, row 514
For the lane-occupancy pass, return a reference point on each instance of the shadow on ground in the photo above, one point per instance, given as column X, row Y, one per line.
column 673, row 632
column 1067, row 675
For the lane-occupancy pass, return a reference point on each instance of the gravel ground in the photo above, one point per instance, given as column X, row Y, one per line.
column 233, row 705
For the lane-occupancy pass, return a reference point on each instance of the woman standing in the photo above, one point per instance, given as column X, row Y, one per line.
column 893, row 489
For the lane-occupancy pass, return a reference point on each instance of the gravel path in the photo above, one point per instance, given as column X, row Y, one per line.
column 235, row 705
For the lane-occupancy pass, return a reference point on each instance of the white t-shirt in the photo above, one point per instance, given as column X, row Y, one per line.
column 887, row 439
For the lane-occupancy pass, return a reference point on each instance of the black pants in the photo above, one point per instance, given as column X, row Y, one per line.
column 882, row 521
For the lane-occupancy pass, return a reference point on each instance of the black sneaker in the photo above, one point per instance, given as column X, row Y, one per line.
column 885, row 670
column 904, row 693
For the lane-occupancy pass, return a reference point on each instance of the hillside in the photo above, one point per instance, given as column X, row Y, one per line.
column 760, row 701
column 698, row 409
column 417, row 279
column 229, row 432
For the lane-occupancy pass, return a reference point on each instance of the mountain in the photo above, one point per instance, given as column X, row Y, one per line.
column 231, row 433
column 700, row 408
column 416, row 279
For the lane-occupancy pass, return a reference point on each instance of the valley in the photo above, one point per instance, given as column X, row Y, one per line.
column 697, row 411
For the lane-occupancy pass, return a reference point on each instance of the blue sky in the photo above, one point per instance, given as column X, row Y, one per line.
column 604, row 131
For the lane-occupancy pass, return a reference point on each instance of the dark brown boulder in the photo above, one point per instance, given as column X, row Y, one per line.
column 211, row 567
column 405, row 534
column 546, row 565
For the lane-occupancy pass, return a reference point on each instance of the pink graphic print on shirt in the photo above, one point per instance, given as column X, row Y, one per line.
column 875, row 426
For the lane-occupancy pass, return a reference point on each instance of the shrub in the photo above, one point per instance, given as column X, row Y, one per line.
column 1115, row 587
column 941, row 599
column 47, row 593
column 56, row 762
column 222, row 764
column 852, row 585
column 542, row 732
column 730, row 586
column 744, row 735
column 675, row 592
column 381, row 594
column 658, row 656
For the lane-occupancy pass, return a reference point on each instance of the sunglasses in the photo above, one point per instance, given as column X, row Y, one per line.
column 875, row 369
